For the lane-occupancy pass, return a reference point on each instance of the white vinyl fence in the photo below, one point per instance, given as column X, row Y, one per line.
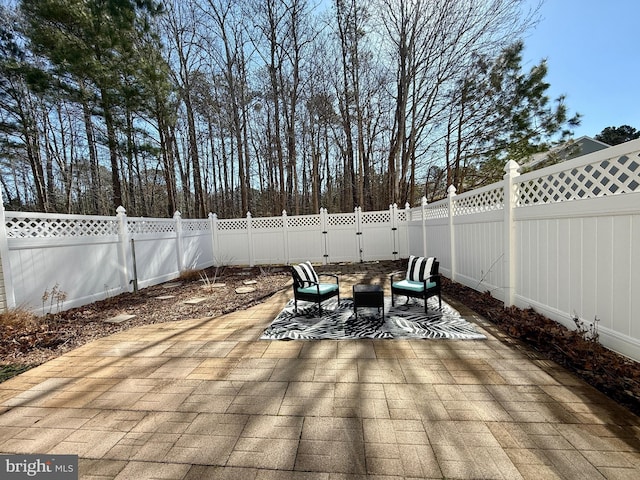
column 52, row 262
column 564, row 240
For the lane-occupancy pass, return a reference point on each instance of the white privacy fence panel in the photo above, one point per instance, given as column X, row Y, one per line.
column 231, row 241
column 197, row 244
column 479, row 252
column 154, row 244
column 268, row 240
column 376, row 234
column 305, row 239
column 77, row 257
column 342, row 238
column 156, row 259
column 565, row 241
column 437, row 233
column 478, row 239
column 578, row 233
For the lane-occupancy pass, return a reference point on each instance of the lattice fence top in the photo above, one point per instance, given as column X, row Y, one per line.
column 375, row 217
column 37, row 227
column 484, row 201
column 613, row 176
column 142, row 226
column 414, row 215
column 237, row 224
column 341, row 219
column 437, row 210
column 304, row 221
column 196, row 225
column 267, row 223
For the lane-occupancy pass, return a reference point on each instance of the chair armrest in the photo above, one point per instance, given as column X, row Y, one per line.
column 393, row 274
column 432, row 278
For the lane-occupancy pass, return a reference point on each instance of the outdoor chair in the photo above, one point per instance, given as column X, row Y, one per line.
column 421, row 280
column 307, row 286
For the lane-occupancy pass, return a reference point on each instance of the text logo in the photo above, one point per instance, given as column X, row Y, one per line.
column 50, row 467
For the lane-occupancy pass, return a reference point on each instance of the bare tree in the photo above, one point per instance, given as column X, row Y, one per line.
column 181, row 27
column 433, row 43
column 228, row 55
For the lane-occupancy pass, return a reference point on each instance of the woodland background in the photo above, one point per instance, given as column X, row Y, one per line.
column 231, row 106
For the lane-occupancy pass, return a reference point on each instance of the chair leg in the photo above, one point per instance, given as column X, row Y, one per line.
column 440, row 300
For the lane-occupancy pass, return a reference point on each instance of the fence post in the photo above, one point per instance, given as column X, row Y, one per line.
column 179, row 244
column 358, row 214
column 213, row 219
column 510, row 199
column 393, row 220
column 424, row 226
column 407, row 222
column 285, row 234
column 451, row 193
column 121, row 215
column 5, row 265
column 250, row 239
column 325, row 235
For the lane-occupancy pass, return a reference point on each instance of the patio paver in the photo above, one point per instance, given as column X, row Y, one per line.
column 204, row 398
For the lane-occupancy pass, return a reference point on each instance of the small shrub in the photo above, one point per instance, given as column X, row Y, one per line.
column 588, row 332
column 18, row 318
column 57, row 296
column 189, row 275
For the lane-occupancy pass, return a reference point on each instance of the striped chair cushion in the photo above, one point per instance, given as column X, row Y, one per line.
column 306, row 274
column 419, row 268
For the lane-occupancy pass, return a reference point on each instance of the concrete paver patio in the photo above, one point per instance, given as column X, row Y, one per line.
column 205, row 398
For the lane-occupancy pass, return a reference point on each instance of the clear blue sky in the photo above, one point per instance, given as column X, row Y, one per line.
column 592, row 49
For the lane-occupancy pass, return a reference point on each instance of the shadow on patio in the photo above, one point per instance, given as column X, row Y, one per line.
column 205, row 398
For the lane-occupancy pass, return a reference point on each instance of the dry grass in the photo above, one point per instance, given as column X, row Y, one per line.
column 18, row 318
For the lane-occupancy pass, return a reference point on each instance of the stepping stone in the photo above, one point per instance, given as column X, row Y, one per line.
column 194, row 301
column 215, row 285
column 172, row 285
column 123, row 317
column 165, row 297
column 245, row 290
column 250, row 282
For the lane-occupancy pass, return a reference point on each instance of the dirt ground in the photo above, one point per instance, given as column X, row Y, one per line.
column 27, row 341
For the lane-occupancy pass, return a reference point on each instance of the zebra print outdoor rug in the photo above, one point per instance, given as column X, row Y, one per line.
column 338, row 322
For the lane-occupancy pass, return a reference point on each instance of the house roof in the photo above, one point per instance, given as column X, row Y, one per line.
column 565, row 151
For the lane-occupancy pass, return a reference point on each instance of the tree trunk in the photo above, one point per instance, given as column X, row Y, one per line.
column 113, row 151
